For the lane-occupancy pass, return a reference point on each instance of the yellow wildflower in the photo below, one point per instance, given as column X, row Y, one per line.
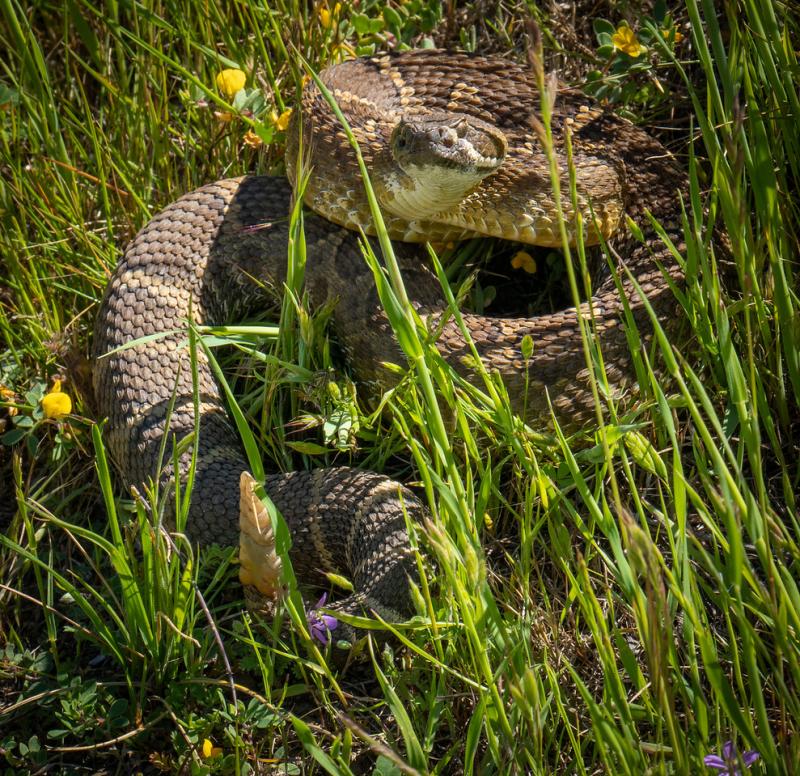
column 230, row 81
column 282, row 121
column 210, row 751
column 56, row 403
column 678, row 35
column 252, row 139
column 523, row 260
column 626, row 41
column 327, row 18
column 7, row 395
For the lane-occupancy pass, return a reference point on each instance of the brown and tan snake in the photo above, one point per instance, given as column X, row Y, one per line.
column 453, row 152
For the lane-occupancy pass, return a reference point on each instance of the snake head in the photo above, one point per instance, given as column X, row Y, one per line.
column 446, row 141
column 435, row 161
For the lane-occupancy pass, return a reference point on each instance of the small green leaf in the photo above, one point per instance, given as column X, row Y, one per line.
column 265, row 132
column 429, row 19
column 34, row 396
column 361, row 23
column 8, row 95
column 392, row 19
column 385, row 767
column 12, row 437
column 603, row 27
column 240, row 99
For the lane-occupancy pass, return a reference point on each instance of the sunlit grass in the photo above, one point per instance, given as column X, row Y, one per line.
column 623, row 600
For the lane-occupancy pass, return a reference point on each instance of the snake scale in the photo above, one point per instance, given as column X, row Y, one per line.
column 452, row 145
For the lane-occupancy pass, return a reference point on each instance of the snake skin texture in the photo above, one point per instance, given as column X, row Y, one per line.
column 200, row 256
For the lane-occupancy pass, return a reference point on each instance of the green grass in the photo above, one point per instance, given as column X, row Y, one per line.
column 622, row 600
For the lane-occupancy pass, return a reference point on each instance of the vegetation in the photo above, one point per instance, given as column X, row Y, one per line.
column 623, row 600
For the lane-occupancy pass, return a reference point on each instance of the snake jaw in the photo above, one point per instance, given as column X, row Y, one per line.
column 259, row 564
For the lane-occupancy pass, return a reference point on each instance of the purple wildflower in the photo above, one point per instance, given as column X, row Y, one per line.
column 728, row 764
column 321, row 624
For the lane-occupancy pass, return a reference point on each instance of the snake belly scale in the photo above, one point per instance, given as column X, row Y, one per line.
column 201, row 255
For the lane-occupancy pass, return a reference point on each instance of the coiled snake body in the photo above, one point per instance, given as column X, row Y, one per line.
column 453, row 150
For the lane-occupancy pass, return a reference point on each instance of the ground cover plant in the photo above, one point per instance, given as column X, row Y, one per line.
column 619, row 600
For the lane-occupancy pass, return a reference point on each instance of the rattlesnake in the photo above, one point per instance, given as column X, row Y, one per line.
column 463, row 129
